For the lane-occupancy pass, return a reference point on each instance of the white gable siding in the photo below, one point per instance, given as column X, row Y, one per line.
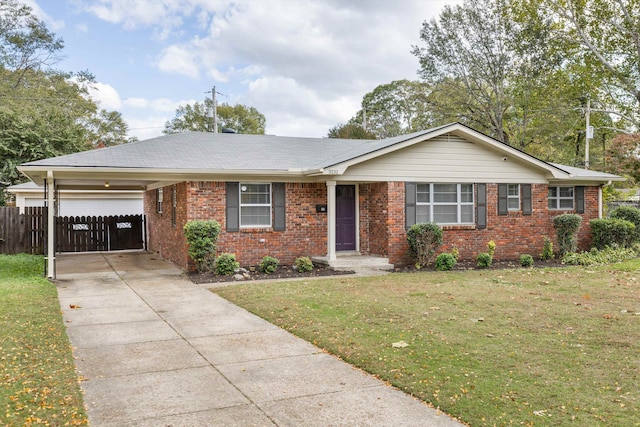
column 444, row 159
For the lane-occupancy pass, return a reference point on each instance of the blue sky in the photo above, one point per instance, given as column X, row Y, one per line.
column 305, row 64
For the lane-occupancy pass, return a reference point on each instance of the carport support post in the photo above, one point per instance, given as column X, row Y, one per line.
column 331, row 220
column 51, row 227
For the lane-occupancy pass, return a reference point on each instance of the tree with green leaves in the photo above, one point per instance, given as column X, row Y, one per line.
column 391, row 109
column 350, row 131
column 194, row 117
column 44, row 112
column 603, row 37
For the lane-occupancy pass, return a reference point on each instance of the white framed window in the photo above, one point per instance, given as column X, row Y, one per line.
column 159, row 197
column 255, row 205
column 561, row 198
column 513, row 197
column 444, row 203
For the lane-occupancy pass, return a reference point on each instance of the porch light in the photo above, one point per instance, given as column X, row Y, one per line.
column 106, row 184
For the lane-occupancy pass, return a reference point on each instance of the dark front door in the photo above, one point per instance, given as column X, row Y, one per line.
column 345, row 218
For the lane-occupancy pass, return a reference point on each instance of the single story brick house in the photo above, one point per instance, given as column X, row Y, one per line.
column 288, row 197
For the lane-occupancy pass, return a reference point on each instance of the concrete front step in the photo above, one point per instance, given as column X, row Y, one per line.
column 355, row 261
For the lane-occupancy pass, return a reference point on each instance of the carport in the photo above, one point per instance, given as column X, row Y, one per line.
column 57, row 174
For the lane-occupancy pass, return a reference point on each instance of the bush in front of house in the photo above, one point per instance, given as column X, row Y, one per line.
column 567, row 227
column 226, row 264
column 526, row 260
column 484, row 260
column 547, row 250
column 269, row 264
column 595, row 256
column 202, row 238
column 445, row 261
column 629, row 213
column 424, row 239
column 612, row 232
column 303, row 264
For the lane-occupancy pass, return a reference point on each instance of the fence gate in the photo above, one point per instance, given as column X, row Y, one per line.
column 99, row 233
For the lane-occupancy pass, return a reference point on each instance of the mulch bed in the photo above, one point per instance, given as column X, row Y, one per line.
column 246, row 275
column 496, row 265
column 286, row 272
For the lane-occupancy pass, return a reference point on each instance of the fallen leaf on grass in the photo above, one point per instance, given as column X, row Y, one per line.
column 399, row 344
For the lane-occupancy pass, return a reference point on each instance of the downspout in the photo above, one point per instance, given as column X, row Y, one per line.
column 601, row 201
column 51, row 226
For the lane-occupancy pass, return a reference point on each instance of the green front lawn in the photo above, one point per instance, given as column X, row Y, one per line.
column 493, row 347
column 39, row 381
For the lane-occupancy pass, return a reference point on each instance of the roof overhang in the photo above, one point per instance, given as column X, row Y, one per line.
column 95, row 178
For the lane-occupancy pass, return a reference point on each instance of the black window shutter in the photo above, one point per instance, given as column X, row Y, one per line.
column 233, row 206
column 279, row 208
column 481, row 206
column 527, row 207
column 410, row 203
column 580, row 200
column 502, row 199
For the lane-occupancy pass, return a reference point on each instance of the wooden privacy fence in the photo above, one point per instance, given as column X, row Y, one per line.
column 22, row 233
column 99, row 233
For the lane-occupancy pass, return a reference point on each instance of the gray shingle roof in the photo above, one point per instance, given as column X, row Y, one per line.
column 204, row 151
column 222, row 151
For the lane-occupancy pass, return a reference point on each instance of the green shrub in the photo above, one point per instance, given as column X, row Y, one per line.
column 484, row 260
column 269, row 264
column 424, row 240
column 567, row 226
column 526, row 260
column 226, row 264
column 630, row 214
column 445, row 262
column 608, row 255
column 304, row 264
column 612, row 232
column 547, row 250
column 491, row 248
column 202, row 238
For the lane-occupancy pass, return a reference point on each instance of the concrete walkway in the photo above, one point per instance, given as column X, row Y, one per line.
column 155, row 349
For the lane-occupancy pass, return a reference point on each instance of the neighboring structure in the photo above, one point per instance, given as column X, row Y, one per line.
column 289, row 197
column 81, row 202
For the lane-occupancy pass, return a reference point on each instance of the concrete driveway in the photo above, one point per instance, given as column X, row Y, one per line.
column 155, row 349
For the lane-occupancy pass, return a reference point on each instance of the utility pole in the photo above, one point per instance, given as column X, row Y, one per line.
column 212, row 113
column 215, row 110
column 588, row 135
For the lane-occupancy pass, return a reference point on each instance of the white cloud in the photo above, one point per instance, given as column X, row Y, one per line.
column 136, row 102
column 106, row 96
column 304, row 64
column 179, row 60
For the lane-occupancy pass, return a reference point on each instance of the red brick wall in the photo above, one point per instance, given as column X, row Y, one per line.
column 382, row 219
column 373, row 214
column 163, row 237
column 305, row 233
column 514, row 234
